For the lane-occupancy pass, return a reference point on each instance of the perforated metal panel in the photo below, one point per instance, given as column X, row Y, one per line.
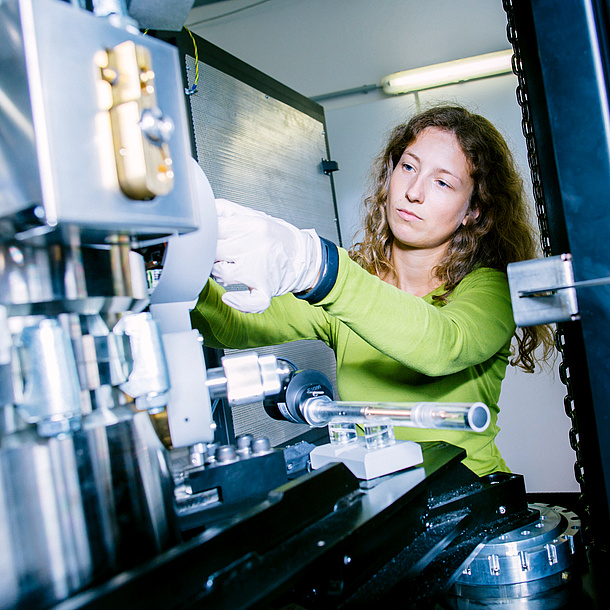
column 264, row 153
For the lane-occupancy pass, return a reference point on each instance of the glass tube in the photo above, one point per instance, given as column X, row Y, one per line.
column 320, row 410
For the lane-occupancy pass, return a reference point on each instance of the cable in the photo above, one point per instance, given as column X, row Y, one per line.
column 290, row 363
column 237, row 10
column 193, row 88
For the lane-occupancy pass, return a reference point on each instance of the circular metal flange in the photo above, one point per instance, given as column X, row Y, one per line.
column 544, row 547
column 529, row 567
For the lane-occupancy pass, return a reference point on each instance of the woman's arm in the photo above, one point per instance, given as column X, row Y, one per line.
column 287, row 319
column 475, row 324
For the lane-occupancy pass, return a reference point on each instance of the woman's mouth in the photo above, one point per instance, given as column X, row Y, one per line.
column 407, row 215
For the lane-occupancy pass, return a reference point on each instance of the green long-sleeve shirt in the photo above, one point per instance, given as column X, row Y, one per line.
column 391, row 345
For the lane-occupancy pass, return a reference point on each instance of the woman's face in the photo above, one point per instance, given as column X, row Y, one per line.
column 429, row 192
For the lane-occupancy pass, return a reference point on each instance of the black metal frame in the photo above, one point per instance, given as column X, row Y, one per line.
column 327, row 541
column 565, row 57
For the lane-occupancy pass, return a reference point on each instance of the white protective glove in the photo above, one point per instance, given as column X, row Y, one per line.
column 270, row 256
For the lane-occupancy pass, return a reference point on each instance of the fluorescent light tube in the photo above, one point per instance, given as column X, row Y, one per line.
column 450, row 72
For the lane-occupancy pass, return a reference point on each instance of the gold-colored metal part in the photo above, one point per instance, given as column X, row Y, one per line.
column 160, row 423
column 139, row 130
column 120, row 249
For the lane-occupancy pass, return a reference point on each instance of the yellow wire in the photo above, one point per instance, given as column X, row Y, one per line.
column 194, row 87
column 196, row 57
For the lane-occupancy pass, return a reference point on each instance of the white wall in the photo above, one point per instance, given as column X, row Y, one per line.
column 318, row 46
column 323, row 46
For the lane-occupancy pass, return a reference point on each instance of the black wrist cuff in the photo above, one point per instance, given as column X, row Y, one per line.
column 328, row 274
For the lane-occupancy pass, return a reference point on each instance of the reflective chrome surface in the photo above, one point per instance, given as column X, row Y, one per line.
column 84, row 485
column 46, row 541
column 36, row 279
column 57, row 164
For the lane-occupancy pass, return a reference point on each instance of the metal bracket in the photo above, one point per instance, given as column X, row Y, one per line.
column 329, row 166
column 543, row 290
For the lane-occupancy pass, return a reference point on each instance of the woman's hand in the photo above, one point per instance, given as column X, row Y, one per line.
column 268, row 255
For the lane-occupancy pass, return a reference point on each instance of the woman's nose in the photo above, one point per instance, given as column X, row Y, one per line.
column 415, row 192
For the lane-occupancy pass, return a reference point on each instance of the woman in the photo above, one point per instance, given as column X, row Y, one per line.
column 420, row 309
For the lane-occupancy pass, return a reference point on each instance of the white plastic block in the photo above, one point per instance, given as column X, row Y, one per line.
column 369, row 463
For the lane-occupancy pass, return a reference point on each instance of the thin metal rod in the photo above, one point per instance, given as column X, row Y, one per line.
column 602, row 281
column 345, row 92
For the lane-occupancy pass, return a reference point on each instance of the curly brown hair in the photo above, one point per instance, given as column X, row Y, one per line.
column 502, row 232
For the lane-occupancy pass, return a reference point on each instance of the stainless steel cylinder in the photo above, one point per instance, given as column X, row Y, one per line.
column 51, row 389
column 70, row 278
column 127, row 486
column 45, row 542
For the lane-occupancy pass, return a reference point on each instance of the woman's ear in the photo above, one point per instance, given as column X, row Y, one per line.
column 471, row 216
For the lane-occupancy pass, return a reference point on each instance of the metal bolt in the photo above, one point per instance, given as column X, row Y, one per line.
column 502, row 510
column 226, row 454
column 261, row 445
column 347, row 560
column 244, row 441
column 494, row 564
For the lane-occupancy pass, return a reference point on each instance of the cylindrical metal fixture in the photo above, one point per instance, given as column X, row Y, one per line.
column 45, row 544
column 51, row 389
column 245, row 378
column 531, row 567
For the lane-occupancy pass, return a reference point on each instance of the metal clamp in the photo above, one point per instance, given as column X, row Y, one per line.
column 544, row 291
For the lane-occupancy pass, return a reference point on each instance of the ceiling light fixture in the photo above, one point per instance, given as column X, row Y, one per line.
column 448, row 73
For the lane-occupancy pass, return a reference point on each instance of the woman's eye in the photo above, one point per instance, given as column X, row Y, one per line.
column 443, row 184
column 407, row 166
